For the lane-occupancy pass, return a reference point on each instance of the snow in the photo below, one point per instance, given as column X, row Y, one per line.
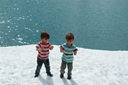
column 91, row 67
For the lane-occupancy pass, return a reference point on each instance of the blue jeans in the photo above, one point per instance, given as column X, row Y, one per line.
column 39, row 65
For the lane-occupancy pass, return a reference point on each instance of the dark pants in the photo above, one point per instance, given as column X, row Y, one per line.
column 39, row 65
column 63, row 66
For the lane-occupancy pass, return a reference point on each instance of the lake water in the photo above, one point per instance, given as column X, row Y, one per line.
column 96, row 24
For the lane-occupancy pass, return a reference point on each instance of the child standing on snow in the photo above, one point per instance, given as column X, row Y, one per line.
column 43, row 53
column 68, row 50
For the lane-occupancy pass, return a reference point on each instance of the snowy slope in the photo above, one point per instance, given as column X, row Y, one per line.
column 91, row 67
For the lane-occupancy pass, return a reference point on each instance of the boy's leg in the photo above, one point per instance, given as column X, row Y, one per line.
column 63, row 66
column 62, row 69
column 70, row 67
column 39, row 65
column 47, row 66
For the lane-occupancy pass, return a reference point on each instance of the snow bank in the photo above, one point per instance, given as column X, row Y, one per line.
column 91, row 67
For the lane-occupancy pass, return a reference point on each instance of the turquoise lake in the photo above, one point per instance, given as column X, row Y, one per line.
column 96, row 24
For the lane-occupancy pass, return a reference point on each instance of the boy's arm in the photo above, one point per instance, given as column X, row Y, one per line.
column 75, row 52
column 61, row 49
column 51, row 47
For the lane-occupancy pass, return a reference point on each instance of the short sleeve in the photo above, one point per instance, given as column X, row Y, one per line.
column 75, row 49
column 49, row 45
column 62, row 46
column 38, row 45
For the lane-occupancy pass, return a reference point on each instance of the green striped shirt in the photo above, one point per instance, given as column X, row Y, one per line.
column 68, row 52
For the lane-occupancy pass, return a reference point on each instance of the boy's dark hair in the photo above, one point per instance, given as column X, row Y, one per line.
column 69, row 36
column 45, row 35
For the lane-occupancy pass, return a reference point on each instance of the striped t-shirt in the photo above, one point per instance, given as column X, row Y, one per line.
column 68, row 52
column 44, row 53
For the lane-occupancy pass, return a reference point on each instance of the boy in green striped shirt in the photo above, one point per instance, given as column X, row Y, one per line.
column 68, row 49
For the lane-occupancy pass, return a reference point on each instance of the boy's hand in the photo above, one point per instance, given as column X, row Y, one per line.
column 75, row 52
column 51, row 47
column 39, row 49
column 42, row 47
column 61, row 49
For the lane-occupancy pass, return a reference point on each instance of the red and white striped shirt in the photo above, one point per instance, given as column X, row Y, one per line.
column 44, row 53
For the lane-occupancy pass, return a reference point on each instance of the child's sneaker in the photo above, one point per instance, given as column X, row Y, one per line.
column 51, row 75
column 61, row 75
column 36, row 75
column 69, row 77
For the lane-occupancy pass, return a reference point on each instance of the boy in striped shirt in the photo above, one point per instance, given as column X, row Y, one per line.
column 43, row 54
column 68, row 50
